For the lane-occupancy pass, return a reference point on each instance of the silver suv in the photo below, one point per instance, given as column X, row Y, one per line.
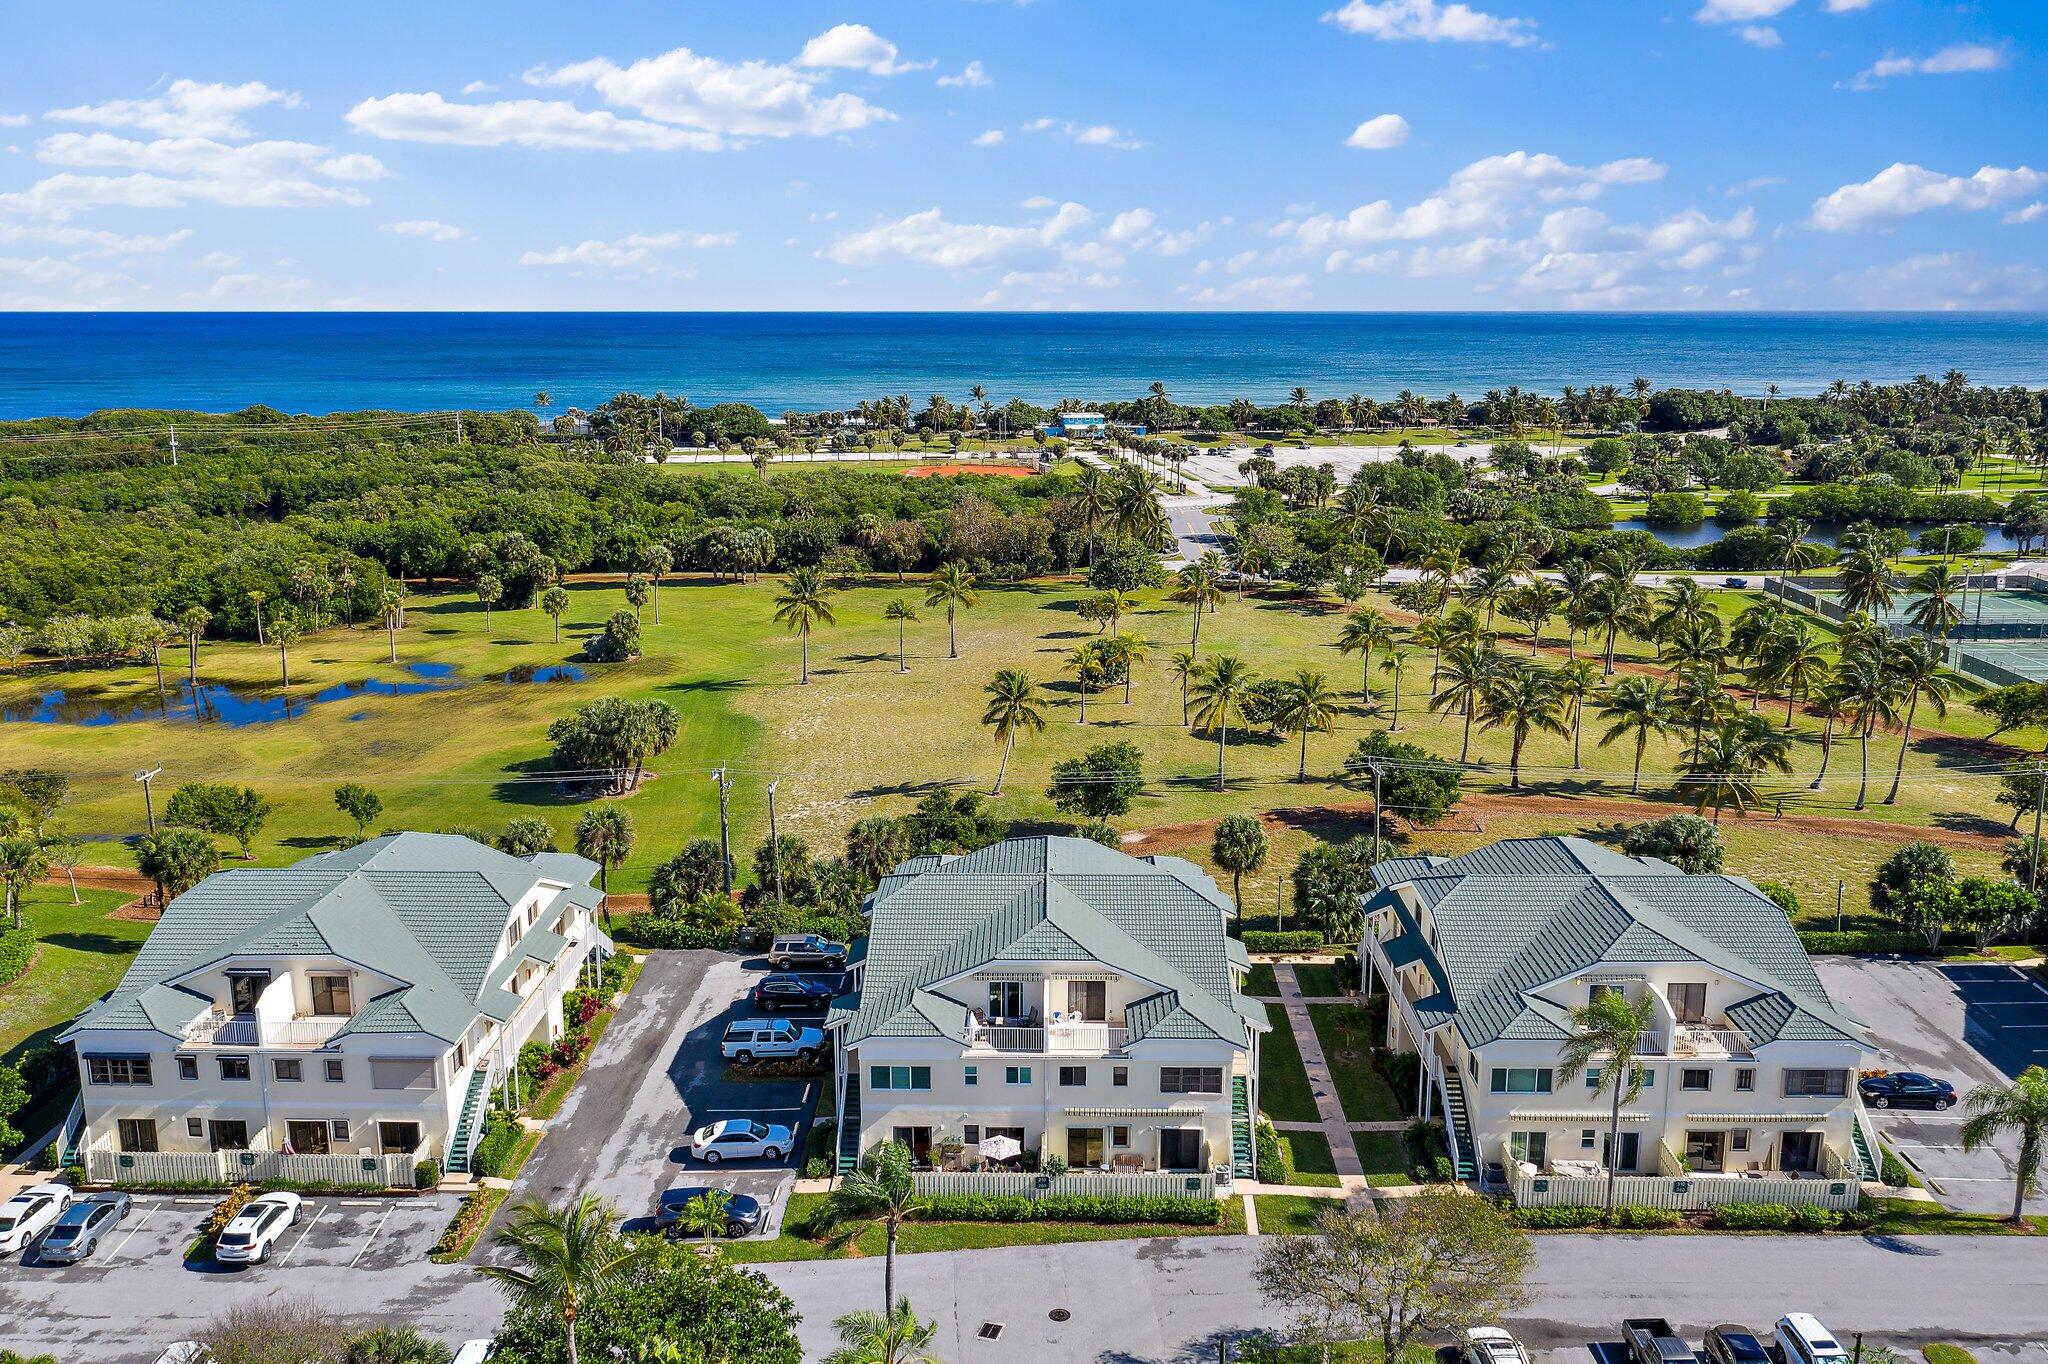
column 771, row 1039
column 807, row 950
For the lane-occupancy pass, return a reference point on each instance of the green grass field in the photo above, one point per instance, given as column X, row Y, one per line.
column 1347, row 1035
column 864, row 739
column 806, row 1237
column 1311, row 1161
column 1283, row 1083
column 1385, row 1158
column 81, row 955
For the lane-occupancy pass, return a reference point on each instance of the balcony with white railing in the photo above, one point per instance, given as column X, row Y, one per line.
column 1077, row 1039
column 217, row 1029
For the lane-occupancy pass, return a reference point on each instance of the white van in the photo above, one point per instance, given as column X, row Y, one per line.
column 1803, row 1340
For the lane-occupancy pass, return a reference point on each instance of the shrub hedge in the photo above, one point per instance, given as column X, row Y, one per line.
column 1552, row 1219
column 1175, row 1209
column 1293, row 940
column 652, row 930
column 17, row 946
column 1862, row 940
column 1775, row 1217
column 499, row 1140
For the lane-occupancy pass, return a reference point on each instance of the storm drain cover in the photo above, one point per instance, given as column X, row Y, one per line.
column 990, row 1330
column 1060, row 1314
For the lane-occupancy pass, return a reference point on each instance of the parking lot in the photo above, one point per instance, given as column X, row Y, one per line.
column 340, row 1233
column 1969, row 1024
column 655, row 1077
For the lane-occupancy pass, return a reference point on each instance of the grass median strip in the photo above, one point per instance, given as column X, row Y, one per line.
column 1291, row 1214
column 805, row 1236
column 1385, row 1158
column 468, row 1224
column 1283, row 1082
column 1312, row 1163
column 1259, row 982
column 1348, row 1032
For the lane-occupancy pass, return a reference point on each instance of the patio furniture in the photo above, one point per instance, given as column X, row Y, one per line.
column 1576, row 1169
column 1000, row 1148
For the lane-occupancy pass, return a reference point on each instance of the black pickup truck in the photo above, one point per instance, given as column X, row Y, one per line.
column 1651, row 1340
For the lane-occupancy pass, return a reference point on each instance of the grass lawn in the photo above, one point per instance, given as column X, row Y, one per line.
column 1347, row 1033
column 1317, row 979
column 1310, row 1159
column 1283, row 1082
column 1290, row 1214
column 467, row 756
column 1259, row 981
column 1911, row 1217
column 1385, row 1158
column 803, row 1239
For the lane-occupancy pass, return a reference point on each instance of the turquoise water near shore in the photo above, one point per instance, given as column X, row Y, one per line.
column 72, row 363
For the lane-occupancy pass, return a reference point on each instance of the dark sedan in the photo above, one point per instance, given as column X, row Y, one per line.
column 77, row 1231
column 1906, row 1089
column 1734, row 1345
column 742, row 1214
column 794, row 992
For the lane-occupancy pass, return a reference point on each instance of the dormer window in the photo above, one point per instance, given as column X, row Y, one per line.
column 1688, row 1000
column 331, row 996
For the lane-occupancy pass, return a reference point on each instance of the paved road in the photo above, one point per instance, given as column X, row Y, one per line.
column 1174, row 1300
column 1189, row 519
column 1969, row 1024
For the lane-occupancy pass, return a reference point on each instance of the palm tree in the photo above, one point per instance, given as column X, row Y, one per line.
column 1867, row 582
column 1365, row 630
column 1219, row 690
column 1468, row 670
column 1393, row 665
column 554, row 601
column 193, row 621
column 1307, row 704
column 657, row 560
column 1610, row 1029
column 1124, row 652
column 1093, row 502
column 1725, row 761
column 1576, row 681
column 283, row 631
column 1533, row 604
column 1795, row 659
column 882, row 1190
column 1523, row 698
column 1935, row 609
column 567, row 1255
column 489, row 592
column 804, row 603
column 1916, row 665
column 901, row 612
column 604, row 834
column 1197, row 586
column 1084, row 661
column 872, row 1338
column 2020, row 1108
column 1488, row 586
column 951, row 585
column 1182, row 665
column 1429, row 633
column 705, row 1214
column 1826, row 699
column 1870, row 693
column 1012, row 709
column 1642, row 706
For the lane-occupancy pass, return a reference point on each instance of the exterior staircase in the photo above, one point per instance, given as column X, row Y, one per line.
column 1241, row 1162
column 1867, row 1167
column 74, row 1132
column 475, row 1103
column 1464, row 1155
column 849, row 1126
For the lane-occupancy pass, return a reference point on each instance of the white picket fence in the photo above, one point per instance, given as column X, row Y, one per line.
column 1147, row 1185
column 105, row 1166
column 1684, row 1194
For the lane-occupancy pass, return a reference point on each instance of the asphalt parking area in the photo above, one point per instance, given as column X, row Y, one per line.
column 156, row 1228
column 1969, row 1024
column 361, row 1233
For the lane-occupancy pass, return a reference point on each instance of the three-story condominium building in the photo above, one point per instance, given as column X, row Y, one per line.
column 1078, row 1001
column 1748, row 1069
column 361, row 1003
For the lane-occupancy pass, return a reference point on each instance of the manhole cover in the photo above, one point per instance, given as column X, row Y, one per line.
column 990, row 1330
column 1060, row 1314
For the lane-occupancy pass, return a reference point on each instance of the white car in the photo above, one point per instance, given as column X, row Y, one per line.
column 1493, row 1345
column 473, row 1352
column 248, row 1239
column 739, row 1139
column 29, row 1214
column 185, row 1352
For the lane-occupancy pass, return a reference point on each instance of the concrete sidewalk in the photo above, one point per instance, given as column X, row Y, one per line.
column 1336, row 1129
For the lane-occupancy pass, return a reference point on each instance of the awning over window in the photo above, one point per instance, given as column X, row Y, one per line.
column 1133, row 1112
column 1572, row 1115
column 1762, row 1119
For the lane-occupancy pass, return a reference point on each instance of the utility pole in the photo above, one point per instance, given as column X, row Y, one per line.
column 1838, row 905
column 458, row 428
column 724, row 831
column 1375, row 812
column 174, row 445
column 1279, row 910
column 774, row 845
column 149, row 806
column 2034, row 850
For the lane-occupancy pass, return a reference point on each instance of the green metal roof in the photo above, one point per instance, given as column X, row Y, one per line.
column 1051, row 899
column 426, row 909
column 1517, row 914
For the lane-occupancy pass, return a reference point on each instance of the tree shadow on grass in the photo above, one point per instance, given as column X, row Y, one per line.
column 536, row 794
column 1967, row 822
column 315, row 841
column 105, row 943
column 902, row 788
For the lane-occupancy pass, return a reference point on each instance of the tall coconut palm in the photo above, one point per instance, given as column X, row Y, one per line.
column 1365, row 630
column 1521, row 699
column 1218, row 694
column 1488, row 586
column 1468, row 670
column 1915, row 665
column 874, row 1338
column 1306, row 704
column 656, row 560
column 1577, row 680
column 1610, row 1029
column 193, row 620
column 1723, row 763
column 283, row 631
column 1533, row 604
column 2021, row 1109
column 902, row 612
column 1123, row 653
column 1394, row 665
column 1936, row 609
column 1826, row 699
column 564, row 1257
column 1698, row 698
column 1429, row 632
column 1643, row 708
column 803, row 604
column 1792, row 551
column 951, row 585
column 881, row 1191
column 1577, row 587
column 1182, row 665
column 1867, row 582
column 1094, row 502
column 1198, row 586
column 1012, row 710
column 1870, row 693
column 604, row 834
column 1795, row 659
column 1085, row 662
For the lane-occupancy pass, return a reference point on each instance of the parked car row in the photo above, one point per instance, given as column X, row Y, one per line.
column 1798, row 1338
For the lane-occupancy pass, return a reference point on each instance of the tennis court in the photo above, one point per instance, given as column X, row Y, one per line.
column 1988, row 615
column 2001, row 662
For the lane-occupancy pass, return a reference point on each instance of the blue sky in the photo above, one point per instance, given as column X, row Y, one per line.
column 963, row 154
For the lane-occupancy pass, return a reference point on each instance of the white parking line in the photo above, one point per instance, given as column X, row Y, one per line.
column 371, row 1239
column 318, row 1212
column 147, row 1213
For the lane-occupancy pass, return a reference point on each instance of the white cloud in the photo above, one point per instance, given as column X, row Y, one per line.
column 14, row 120
column 638, row 252
column 1741, row 11
column 426, row 227
column 186, row 109
column 218, row 261
column 206, row 157
column 1261, row 289
column 992, row 138
column 1847, row 6
column 1761, row 35
column 1429, row 21
column 927, row 238
column 548, row 124
column 171, row 171
column 1379, row 133
column 1948, row 281
column 479, row 88
column 971, row 74
column 1088, row 135
column 856, row 47
column 1902, row 190
column 737, row 100
column 1956, row 59
column 87, row 241
column 2028, row 214
column 259, row 288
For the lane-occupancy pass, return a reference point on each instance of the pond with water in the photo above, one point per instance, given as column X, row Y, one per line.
column 1996, row 540
column 224, row 703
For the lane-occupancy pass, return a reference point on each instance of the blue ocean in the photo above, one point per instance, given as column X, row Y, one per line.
column 69, row 364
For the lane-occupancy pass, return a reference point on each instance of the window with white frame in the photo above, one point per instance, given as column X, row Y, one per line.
column 1521, row 1080
column 899, row 1077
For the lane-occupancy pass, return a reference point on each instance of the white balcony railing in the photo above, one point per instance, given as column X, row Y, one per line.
column 1079, row 1039
column 246, row 1030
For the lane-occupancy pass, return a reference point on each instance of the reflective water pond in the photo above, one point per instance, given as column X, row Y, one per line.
column 1996, row 540
column 222, row 703
column 542, row 672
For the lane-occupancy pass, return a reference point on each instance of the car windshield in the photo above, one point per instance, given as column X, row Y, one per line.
column 6, row 1224
column 754, row 1129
